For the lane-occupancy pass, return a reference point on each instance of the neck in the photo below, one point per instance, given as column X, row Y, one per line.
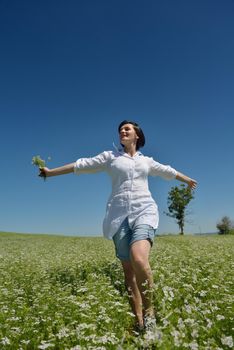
column 130, row 150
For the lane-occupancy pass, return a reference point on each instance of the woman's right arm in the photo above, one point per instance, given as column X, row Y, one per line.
column 81, row 166
column 65, row 169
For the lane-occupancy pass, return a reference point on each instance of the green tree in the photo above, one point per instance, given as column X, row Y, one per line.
column 178, row 199
column 224, row 226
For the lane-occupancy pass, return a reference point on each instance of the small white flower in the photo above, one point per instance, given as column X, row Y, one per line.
column 220, row 317
column 44, row 345
column 14, row 319
column 203, row 293
column 153, row 336
column 5, row 341
column 181, row 323
column 130, row 314
column 171, row 294
column 63, row 333
column 117, row 303
column 209, row 323
column 190, row 321
column 176, row 336
column 227, row 341
column 188, row 309
column 193, row 345
column 194, row 333
column 165, row 322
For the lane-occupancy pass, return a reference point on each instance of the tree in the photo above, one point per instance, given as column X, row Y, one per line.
column 224, row 226
column 178, row 199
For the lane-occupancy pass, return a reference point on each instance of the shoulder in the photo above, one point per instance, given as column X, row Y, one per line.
column 147, row 159
column 109, row 154
column 114, row 154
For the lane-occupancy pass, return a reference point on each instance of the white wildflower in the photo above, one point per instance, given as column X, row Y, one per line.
column 227, row 341
column 153, row 336
column 117, row 303
column 82, row 290
column 83, row 326
column 176, row 336
column 84, row 305
column 181, row 323
column 14, row 319
column 5, row 341
column 194, row 333
column 186, row 345
column 205, row 312
column 102, row 309
column 193, row 345
column 16, row 330
column 190, row 321
column 91, row 297
column 130, row 314
column 188, row 286
column 104, row 339
column 203, row 293
column 63, row 333
column 45, row 345
column 118, row 283
column 188, row 309
column 26, row 342
column 209, row 323
column 104, row 318
column 165, row 322
column 220, row 317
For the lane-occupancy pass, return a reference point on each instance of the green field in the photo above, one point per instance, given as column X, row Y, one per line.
column 68, row 293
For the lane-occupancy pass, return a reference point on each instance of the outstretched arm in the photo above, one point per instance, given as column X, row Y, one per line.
column 65, row 169
column 191, row 183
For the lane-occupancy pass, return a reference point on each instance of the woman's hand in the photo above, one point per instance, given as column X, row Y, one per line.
column 184, row 178
column 44, row 172
column 192, row 184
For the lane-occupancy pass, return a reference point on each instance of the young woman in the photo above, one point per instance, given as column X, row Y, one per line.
column 131, row 216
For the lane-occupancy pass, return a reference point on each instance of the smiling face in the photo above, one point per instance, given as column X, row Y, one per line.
column 127, row 135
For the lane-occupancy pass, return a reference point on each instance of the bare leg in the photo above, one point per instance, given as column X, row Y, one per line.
column 140, row 263
column 133, row 291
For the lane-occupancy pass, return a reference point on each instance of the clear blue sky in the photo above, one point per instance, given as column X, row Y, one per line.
column 72, row 70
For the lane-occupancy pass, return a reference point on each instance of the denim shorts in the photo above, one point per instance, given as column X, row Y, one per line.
column 125, row 236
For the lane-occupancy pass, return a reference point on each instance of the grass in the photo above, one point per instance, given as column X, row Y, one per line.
column 68, row 293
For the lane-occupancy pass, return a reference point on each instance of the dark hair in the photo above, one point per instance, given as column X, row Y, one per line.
column 138, row 130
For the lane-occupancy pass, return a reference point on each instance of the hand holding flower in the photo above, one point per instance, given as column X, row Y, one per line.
column 41, row 164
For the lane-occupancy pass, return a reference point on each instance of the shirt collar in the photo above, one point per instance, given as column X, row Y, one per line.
column 121, row 151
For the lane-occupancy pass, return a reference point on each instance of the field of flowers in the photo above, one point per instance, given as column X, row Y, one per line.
column 68, row 293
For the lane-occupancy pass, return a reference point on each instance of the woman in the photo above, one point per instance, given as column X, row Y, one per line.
column 131, row 216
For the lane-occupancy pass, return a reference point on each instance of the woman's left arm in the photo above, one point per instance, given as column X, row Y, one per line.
column 191, row 182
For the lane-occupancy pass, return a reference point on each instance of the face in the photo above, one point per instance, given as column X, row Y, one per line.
column 128, row 135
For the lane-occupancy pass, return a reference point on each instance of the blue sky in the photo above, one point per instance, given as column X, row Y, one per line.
column 71, row 71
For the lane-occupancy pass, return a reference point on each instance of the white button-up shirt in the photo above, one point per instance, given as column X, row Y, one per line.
column 130, row 195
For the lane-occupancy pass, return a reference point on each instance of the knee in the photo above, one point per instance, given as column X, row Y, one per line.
column 140, row 264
